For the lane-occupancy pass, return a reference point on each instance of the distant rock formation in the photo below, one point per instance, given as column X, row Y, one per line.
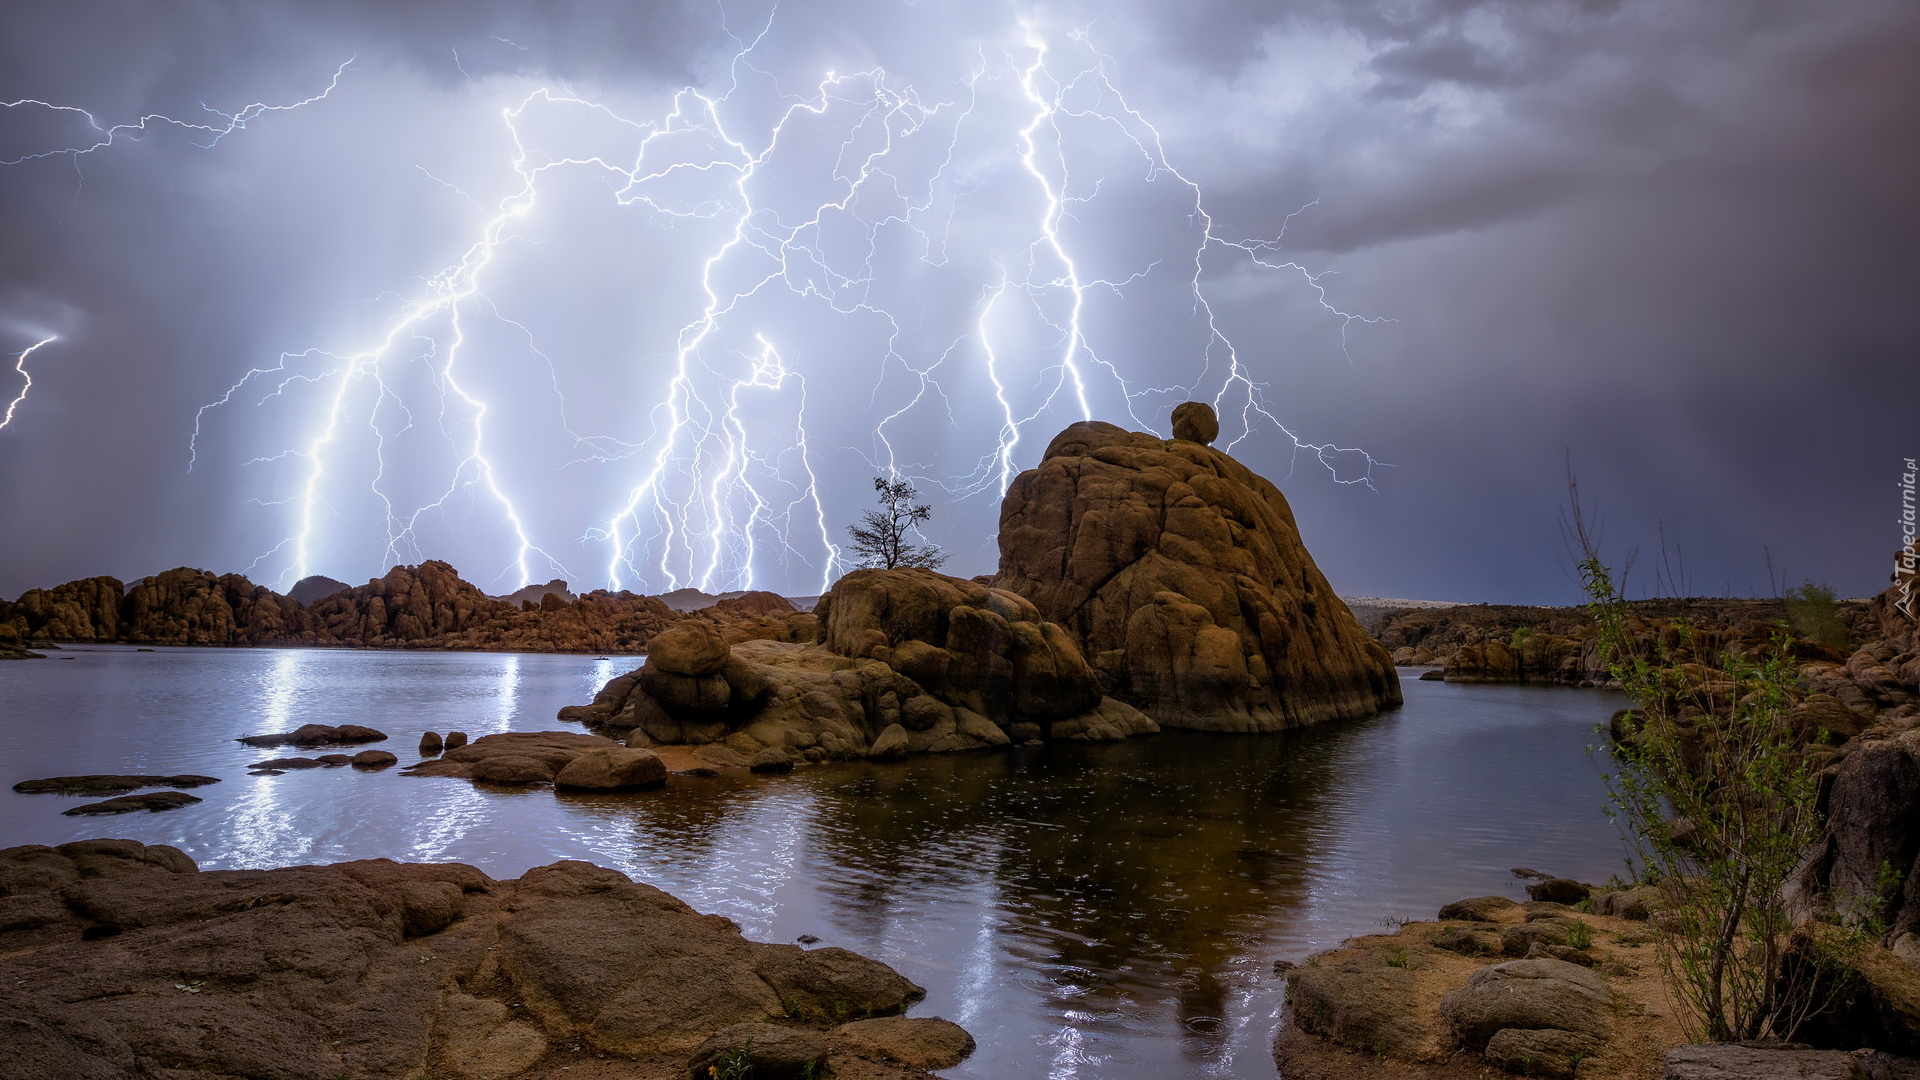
column 1183, row 578
column 428, row 606
column 537, row 594
column 314, row 587
column 385, row 970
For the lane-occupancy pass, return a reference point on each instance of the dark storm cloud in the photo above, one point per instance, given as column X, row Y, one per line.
column 1673, row 238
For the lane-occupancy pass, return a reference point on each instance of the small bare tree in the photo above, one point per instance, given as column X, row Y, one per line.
column 884, row 540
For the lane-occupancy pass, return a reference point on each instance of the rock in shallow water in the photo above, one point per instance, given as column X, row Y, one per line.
column 109, row 784
column 126, row 804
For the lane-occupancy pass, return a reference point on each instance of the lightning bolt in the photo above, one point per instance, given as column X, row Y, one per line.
column 723, row 478
column 20, row 365
column 225, row 124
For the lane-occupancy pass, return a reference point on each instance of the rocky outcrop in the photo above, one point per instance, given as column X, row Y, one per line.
column 427, row 606
column 120, row 961
column 910, row 661
column 1182, row 577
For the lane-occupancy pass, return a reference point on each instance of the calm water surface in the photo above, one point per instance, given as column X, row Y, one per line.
column 1086, row 911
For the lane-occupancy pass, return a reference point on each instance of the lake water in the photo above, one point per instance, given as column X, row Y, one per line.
column 1109, row 911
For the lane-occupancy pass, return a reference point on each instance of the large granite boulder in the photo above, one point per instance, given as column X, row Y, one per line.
column 1182, row 577
column 120, row 961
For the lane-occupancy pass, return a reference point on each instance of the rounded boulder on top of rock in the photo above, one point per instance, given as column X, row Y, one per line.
column 1195, row 421
column 613, row 768
column 456, row 739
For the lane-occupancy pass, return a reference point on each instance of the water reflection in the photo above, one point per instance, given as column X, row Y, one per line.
column 507, row 704
column 281, row 683
column 1086, row 911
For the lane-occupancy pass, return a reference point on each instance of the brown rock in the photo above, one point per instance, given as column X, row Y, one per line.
column 772, row 1051
column 1477, row 908
column 771, row 760
column 109, row 784
column 198, row 978
column 1559, row 891
column 612, row 768
column 1358, row 1001
column 456, row 740
column 152, row 801
column 691, row 648
column 281, row 764
column 1530, row 995
column 374, row 759
column 1195, row 421
column 512, row 769
column 430, row 744
column 972, row 647
column 1182, row 576
column 926, row 1043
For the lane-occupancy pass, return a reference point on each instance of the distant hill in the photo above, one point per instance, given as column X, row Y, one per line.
column 536, row 593
column 308, row 589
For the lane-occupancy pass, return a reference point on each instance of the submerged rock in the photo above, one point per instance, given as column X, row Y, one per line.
column 110, row 783
column 154, row 801
column 1182, row 577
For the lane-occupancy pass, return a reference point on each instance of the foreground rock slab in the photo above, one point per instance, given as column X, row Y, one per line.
column 121, row 961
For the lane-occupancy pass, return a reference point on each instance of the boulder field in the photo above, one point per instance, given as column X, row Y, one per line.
column 911, row 661
column 119, row 960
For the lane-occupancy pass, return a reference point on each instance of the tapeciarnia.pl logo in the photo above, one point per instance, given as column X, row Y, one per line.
column 1903, row 563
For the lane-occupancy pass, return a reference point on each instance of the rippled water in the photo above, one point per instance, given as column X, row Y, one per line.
column 1100, row 911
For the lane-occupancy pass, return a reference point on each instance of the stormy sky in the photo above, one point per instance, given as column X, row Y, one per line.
column 646, row 294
